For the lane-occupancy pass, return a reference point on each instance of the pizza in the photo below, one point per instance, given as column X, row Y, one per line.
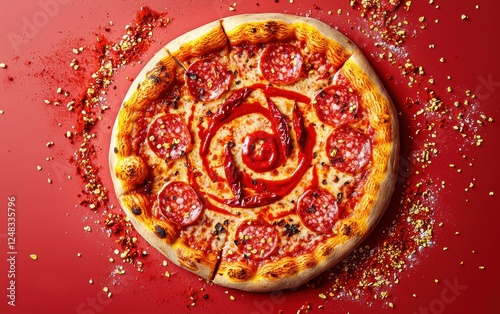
column 256, row 151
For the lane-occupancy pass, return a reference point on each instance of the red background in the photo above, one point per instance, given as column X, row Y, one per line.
column 49, row 221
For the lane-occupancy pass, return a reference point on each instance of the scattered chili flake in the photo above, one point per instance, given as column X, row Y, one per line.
column 380, row 14
column 361, row 272
column 87, row 105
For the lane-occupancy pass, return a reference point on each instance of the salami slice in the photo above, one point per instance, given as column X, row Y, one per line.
column 281, row 63
column 169, row 137
column 179, row 203
column 349, row 150
column 318, row 210
column 256, row 239
column 337, row 105
column 207, row 79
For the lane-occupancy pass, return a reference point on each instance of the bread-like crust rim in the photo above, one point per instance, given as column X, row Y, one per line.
column 380, row 183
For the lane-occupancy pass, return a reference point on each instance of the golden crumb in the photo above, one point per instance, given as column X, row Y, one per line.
column 34, row 257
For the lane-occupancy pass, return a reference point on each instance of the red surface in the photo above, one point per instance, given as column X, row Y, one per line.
column 36, row 40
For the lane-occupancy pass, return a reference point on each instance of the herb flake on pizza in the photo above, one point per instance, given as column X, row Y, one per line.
column 256, row 151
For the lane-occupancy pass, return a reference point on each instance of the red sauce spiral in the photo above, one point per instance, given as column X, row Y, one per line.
column 261, row 151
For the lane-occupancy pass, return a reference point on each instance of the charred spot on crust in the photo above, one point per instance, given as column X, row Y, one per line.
column 238, row 274
column 155, row 78
column 115, row 150
column 130, row 171
column 160, row 231
column 136, row 210
column 189, row 262
column 326, row 250
column 346, row 229
column 160, row 74
column 271, row 27
column 286, row 269
column 310, row 263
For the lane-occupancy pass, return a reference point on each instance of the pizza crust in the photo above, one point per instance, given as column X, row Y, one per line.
column 128, row 170
column 383, row 117
column 270, row 27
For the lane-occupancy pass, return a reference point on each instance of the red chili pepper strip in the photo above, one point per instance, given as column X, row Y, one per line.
column 255, row 200
column 231, row 172
column 298, row 126
column 281, row 127
column 225, row 109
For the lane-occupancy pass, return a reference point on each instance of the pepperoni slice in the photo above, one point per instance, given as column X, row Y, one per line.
column 349, row 150
column 281, row 63
column 337, row 105
column 207, row 79
column 169, row 137
column 179, row 203
column 256, row 239
column 318, row 210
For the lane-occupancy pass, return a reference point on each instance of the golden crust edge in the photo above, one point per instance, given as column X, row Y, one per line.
column 285, row 26
column 176, row 252
column 259, row 282
column 389, row 174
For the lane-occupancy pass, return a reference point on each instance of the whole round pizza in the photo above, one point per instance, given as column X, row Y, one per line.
column 256, row 151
